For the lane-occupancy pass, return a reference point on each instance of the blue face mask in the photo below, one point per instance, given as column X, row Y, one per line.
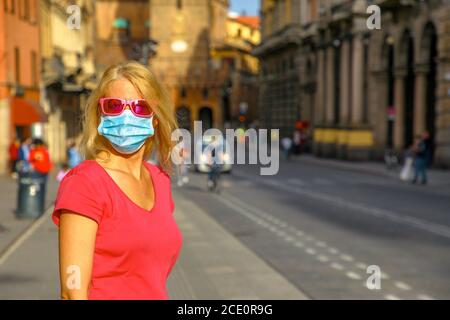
column 126, row 132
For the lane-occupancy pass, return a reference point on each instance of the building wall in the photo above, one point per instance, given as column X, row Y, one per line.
column 346, row 88
column 189, row 74
column 279, row 95
column 74, row 48
column 20, row 30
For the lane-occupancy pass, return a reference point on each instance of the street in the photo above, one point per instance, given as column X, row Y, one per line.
column 309, row 232
column 322, row 227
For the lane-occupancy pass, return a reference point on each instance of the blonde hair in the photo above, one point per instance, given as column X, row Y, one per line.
column 92, row 143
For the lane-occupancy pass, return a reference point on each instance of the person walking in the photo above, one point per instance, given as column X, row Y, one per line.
column 420, row 160
column 117, row 233
column 23, row 161
column 73, row 155
column 286, row 143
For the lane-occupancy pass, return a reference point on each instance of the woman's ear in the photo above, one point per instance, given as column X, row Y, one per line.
column 155, row 122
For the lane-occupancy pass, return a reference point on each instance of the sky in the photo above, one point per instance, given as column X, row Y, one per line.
column 251, row 7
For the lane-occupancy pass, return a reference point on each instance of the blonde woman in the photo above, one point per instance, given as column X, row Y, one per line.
column 117, row 235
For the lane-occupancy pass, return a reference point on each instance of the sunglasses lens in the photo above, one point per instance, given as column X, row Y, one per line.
column 112, row 106
column 142, row 108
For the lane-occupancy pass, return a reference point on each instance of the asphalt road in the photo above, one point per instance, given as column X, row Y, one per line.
column 322, row 227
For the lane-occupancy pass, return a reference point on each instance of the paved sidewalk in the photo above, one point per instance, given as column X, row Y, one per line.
column 10, row 226
column 213, row 264
column 436, row 177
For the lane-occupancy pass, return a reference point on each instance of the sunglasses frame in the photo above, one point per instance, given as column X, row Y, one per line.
column 130, row 104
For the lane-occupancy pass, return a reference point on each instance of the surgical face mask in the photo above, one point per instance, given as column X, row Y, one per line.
column 126, row 132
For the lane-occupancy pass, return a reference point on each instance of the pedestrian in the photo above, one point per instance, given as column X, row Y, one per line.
column 428, row 148
column 73, row 155
column 39, row 158
column 297, row 142
column 114, row 210
column 23, row 162
column 13, row 157
column 420, row 160
column 286, row 144
column 183, row 169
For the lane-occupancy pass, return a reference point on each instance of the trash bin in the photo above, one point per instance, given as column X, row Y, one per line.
column 31, row 194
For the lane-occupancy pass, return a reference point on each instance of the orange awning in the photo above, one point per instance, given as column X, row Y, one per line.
column 26, row 112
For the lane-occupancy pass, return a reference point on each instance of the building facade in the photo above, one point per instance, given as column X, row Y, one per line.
column 363, row 90
column 19, row 73
column 186, row 32
column 239, row 93
column 68, row 71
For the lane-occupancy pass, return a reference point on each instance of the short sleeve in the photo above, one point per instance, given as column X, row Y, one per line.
column 78, row 193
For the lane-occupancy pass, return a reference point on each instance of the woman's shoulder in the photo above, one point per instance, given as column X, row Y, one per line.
column 86, row 171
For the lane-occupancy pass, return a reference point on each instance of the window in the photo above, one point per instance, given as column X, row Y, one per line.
column 179, row 4
column 13, row 6
column 26, row 9
column 239, row 33
column 34, row 70
column 17, row 63
column 205, row 93
column 5, row 5
column 183, row 93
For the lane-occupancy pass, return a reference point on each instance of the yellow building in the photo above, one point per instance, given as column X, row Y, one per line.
column 68, row 70
column 240, row 91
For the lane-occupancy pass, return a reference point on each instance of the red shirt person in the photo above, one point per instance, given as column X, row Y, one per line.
column 40, row 158
column 136, row 248
column 118, row 238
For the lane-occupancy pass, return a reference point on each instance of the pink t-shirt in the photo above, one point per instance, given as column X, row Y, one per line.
column 135, row 249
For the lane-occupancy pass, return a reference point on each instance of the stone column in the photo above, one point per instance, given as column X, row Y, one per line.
column 320, row 101
column 329, row 110
column 357, row 79
column 345, row 81
column 420, row 99
column 399, row 104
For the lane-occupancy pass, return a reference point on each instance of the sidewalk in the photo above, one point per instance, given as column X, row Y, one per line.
column 10, row 227
column 436, row 177
column 213, row 264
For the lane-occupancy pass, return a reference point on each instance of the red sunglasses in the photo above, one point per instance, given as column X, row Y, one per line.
column 139, row 107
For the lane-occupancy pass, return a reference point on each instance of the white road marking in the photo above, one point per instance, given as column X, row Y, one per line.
column 299, row 244
column 391, row 297
column 438, row 229
column 353, row 275
column 337, row 266
column 251, row 213
column 323, row 258
column 333, row 250
column 402, row 285
column 361, row 265
column 346, row 257
column 321, row 244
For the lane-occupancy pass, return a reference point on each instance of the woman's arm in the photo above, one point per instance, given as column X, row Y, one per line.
column 76, row 250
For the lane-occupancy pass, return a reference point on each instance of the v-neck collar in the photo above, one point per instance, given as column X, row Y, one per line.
column 152, row 178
